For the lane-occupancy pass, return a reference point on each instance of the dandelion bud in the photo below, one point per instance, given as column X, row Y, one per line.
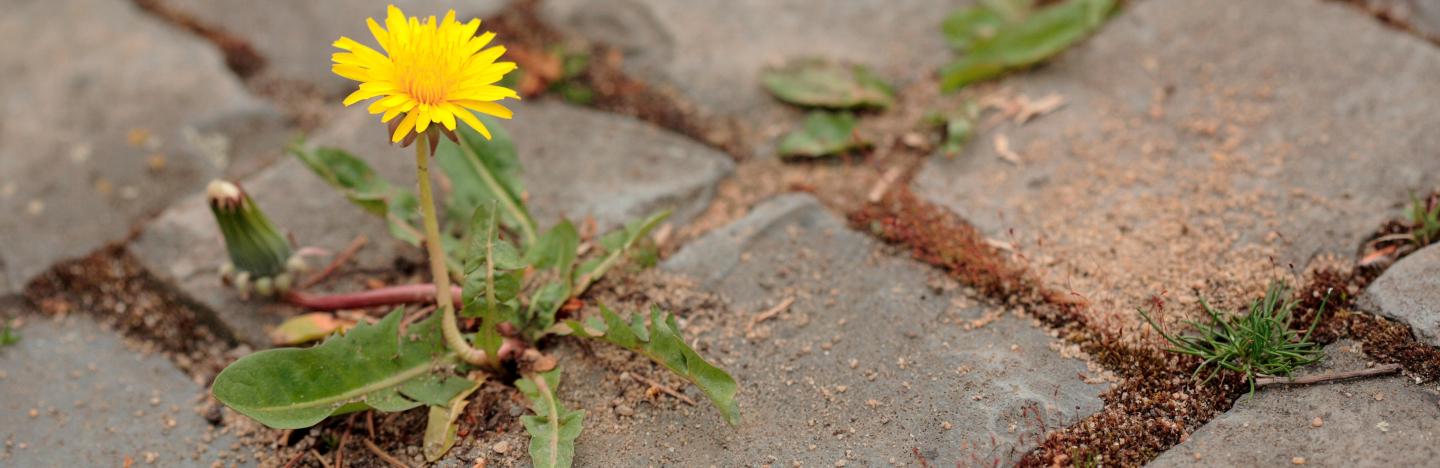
column 257, row 250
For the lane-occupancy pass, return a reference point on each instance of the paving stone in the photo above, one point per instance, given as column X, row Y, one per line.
column 295, row 37
column 74, row 394
column 868, row 362
column 1334, row 162
column 1421, row 15
column 604, row 165
column 1207, row 147
column 714, row 50
column 1385, row 421
column 1409, row 291
column 109, row 115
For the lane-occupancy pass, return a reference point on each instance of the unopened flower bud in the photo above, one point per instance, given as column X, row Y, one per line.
column 256, row 248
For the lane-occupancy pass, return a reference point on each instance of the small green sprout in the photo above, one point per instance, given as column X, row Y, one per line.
column 8, row 336
column 1425, row 217
column 1258, row 344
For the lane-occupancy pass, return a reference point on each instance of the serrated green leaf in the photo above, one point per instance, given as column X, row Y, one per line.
column 616, row 245
column 553, row 429
column 662, row 343
column 363, row 187
column 811, row 82
column 493, row 270
column 555, row 250
column 822, row 134
column 372, row 366
column 442, row 425
column 1024, row 43
column 483, row 171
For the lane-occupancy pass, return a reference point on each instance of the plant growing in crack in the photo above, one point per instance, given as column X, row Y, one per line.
column 1258, row 345
column 513, row 277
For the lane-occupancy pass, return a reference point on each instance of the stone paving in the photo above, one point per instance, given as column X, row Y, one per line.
column 95, row 137
column 1206, row 146
column 1387, row 421
column 866, row 365
column 1320, row 126
column 78, row 395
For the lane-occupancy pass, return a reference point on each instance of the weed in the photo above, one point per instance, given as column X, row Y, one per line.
column 8, row 336
column 1425, row 219
column 1258, row 344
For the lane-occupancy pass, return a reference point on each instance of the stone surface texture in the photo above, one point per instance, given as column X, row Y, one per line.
column 1409, row 291
column 714, row 50
column 1421, row 16
column 77, row 395
column 108, row 115
column 577, row 163
column 295, row 37
column 867, row 363
column 1384, row 421
column 1207, row 146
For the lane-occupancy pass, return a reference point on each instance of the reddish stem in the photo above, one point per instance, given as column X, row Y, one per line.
column 393, row 295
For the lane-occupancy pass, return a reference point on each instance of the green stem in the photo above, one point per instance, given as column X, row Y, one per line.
column 527, row 225
column 438, row 267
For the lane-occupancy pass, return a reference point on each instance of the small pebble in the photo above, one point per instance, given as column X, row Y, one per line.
column 34, row 413
column 501, row 447
column 1297, row 460
column 1379, row 397
column 624, row 410
column 1317, row 422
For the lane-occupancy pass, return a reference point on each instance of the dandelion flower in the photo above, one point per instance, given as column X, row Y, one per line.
column 434, row 73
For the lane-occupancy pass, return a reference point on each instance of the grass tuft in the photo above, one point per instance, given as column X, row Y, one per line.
column 1261, row 343
column 1425, row 219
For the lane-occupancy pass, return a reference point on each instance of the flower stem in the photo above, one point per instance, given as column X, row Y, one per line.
column 438, row 268
column 393, row 295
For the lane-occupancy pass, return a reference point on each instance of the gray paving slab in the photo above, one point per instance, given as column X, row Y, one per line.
column 1387, row 421
column 713, row 50
column 295, row 37
column 1331, row 116
column 109, row 115
column 74, row 394
column 578, row 163
column 867, row 365
column 1423, row 16
column 1409, row 291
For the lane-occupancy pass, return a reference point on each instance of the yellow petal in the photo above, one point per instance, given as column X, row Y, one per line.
column 487, row 107
column 423, row 122
column 406, row 125
column 442, row 114
column 396, row 110
column 469, row 119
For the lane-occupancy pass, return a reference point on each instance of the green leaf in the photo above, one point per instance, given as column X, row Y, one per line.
column 813, row 82
column 442, row 425
column 493, row 270
column 8, row 336
column 555, row 250
column 1021, row 44
column 483, row 171
column 822, row 134
column 616, row 245
column 363, row 187
column 966, row 27
column 663, row 344
column 553, row 429
column 372, row 366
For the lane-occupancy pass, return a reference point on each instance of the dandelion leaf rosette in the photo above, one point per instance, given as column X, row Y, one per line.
column 662, row 343
column 371, row 366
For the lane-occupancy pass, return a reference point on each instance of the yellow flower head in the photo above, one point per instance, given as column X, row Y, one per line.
column 434, row 72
